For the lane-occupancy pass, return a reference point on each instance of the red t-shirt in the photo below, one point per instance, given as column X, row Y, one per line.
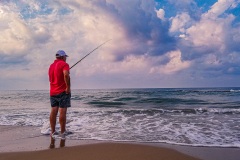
column 56, row 77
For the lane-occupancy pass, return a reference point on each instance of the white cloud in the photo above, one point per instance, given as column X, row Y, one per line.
column 207, row 33
column 161, row 14
column 210, row 33
column 175, row 64
column 15, row 35
column 180, row 22
column 77, row 33
column 219, row 8
column 130, row 65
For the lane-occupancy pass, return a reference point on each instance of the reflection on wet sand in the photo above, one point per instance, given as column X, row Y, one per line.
column 52, row 143
column 62, row 143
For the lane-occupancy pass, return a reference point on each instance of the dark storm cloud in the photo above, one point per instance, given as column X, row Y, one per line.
column 150, row 35
column 144, row 30
column 12, row 60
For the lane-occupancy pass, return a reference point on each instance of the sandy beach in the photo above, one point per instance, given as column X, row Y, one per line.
column 106, row 151
column 27, row 143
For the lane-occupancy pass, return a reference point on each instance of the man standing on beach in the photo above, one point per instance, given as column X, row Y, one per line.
column 60, row 92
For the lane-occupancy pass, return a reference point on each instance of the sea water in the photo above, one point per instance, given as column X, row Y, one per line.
column 186, row 116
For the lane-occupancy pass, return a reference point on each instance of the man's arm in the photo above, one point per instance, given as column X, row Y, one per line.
column 67, row 81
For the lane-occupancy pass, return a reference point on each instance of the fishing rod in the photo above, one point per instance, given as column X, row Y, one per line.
column 90, row 53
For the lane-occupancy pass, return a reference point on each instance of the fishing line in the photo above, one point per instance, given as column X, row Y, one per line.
column 90, row 53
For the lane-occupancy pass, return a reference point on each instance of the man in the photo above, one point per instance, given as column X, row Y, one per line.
column 60, row 92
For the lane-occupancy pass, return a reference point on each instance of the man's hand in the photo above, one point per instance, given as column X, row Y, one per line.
column 67, row 81
column 68, row 91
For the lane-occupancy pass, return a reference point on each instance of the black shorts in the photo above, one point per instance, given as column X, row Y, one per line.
column 61, row 100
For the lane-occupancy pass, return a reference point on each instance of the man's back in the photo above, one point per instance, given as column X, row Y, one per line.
column 56, row 77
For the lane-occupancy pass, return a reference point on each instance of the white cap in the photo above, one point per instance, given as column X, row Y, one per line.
column 61, row 53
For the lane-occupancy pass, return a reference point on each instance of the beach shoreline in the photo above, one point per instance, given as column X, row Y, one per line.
column 24, row 139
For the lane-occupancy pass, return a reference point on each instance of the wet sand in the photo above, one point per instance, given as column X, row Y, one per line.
column 105, row 151
column 27, row 143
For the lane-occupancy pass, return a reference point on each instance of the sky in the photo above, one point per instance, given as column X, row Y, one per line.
column 153, row 43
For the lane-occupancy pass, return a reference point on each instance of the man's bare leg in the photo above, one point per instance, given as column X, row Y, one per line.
column 62, row 119
column 53, row 118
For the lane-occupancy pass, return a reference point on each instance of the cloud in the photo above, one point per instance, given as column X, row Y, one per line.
column 220, row 7
column 211, row 34
column 161, row 14
column 146, row 40
column 14, row 32
column 180, row 22
column 174, row 64
column 145, row 32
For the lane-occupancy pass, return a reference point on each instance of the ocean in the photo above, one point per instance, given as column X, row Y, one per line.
column 185, row 116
